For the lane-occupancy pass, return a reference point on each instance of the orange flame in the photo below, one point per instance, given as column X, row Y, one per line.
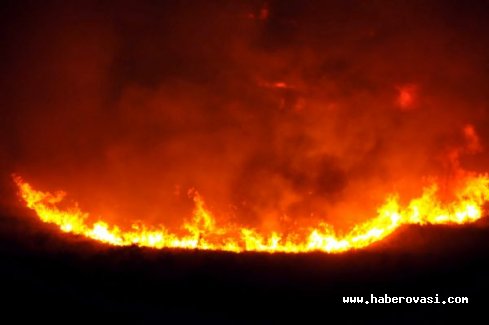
column 204, row 232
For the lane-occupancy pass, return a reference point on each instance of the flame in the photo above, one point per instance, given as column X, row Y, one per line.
column 204, row 232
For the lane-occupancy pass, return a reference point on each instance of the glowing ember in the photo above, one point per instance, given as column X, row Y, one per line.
column 473, row 142
column 203, row 231
column 406, row 96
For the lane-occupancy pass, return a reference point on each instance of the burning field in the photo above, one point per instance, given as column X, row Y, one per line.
column 221, row 127
column 203, row 233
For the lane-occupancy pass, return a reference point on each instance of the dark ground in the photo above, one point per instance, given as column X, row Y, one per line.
column 52, row 276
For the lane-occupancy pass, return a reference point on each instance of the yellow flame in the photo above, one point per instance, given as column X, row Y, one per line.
column 203, row 232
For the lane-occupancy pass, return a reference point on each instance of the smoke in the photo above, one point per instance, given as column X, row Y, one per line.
column 275, row 112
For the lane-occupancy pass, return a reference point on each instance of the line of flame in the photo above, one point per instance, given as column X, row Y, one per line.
column 203, row 232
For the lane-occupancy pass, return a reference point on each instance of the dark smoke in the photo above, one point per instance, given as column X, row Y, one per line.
column 274, row 112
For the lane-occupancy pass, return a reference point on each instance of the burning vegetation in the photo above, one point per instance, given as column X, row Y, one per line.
column 247, row 125
column 204, row 232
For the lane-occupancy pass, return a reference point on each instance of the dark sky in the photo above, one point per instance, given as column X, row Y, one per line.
column 275, row 111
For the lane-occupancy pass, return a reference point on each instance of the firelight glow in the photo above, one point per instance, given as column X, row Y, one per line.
column 203, row 231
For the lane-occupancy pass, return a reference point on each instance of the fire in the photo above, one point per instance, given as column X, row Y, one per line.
column 204, row 232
